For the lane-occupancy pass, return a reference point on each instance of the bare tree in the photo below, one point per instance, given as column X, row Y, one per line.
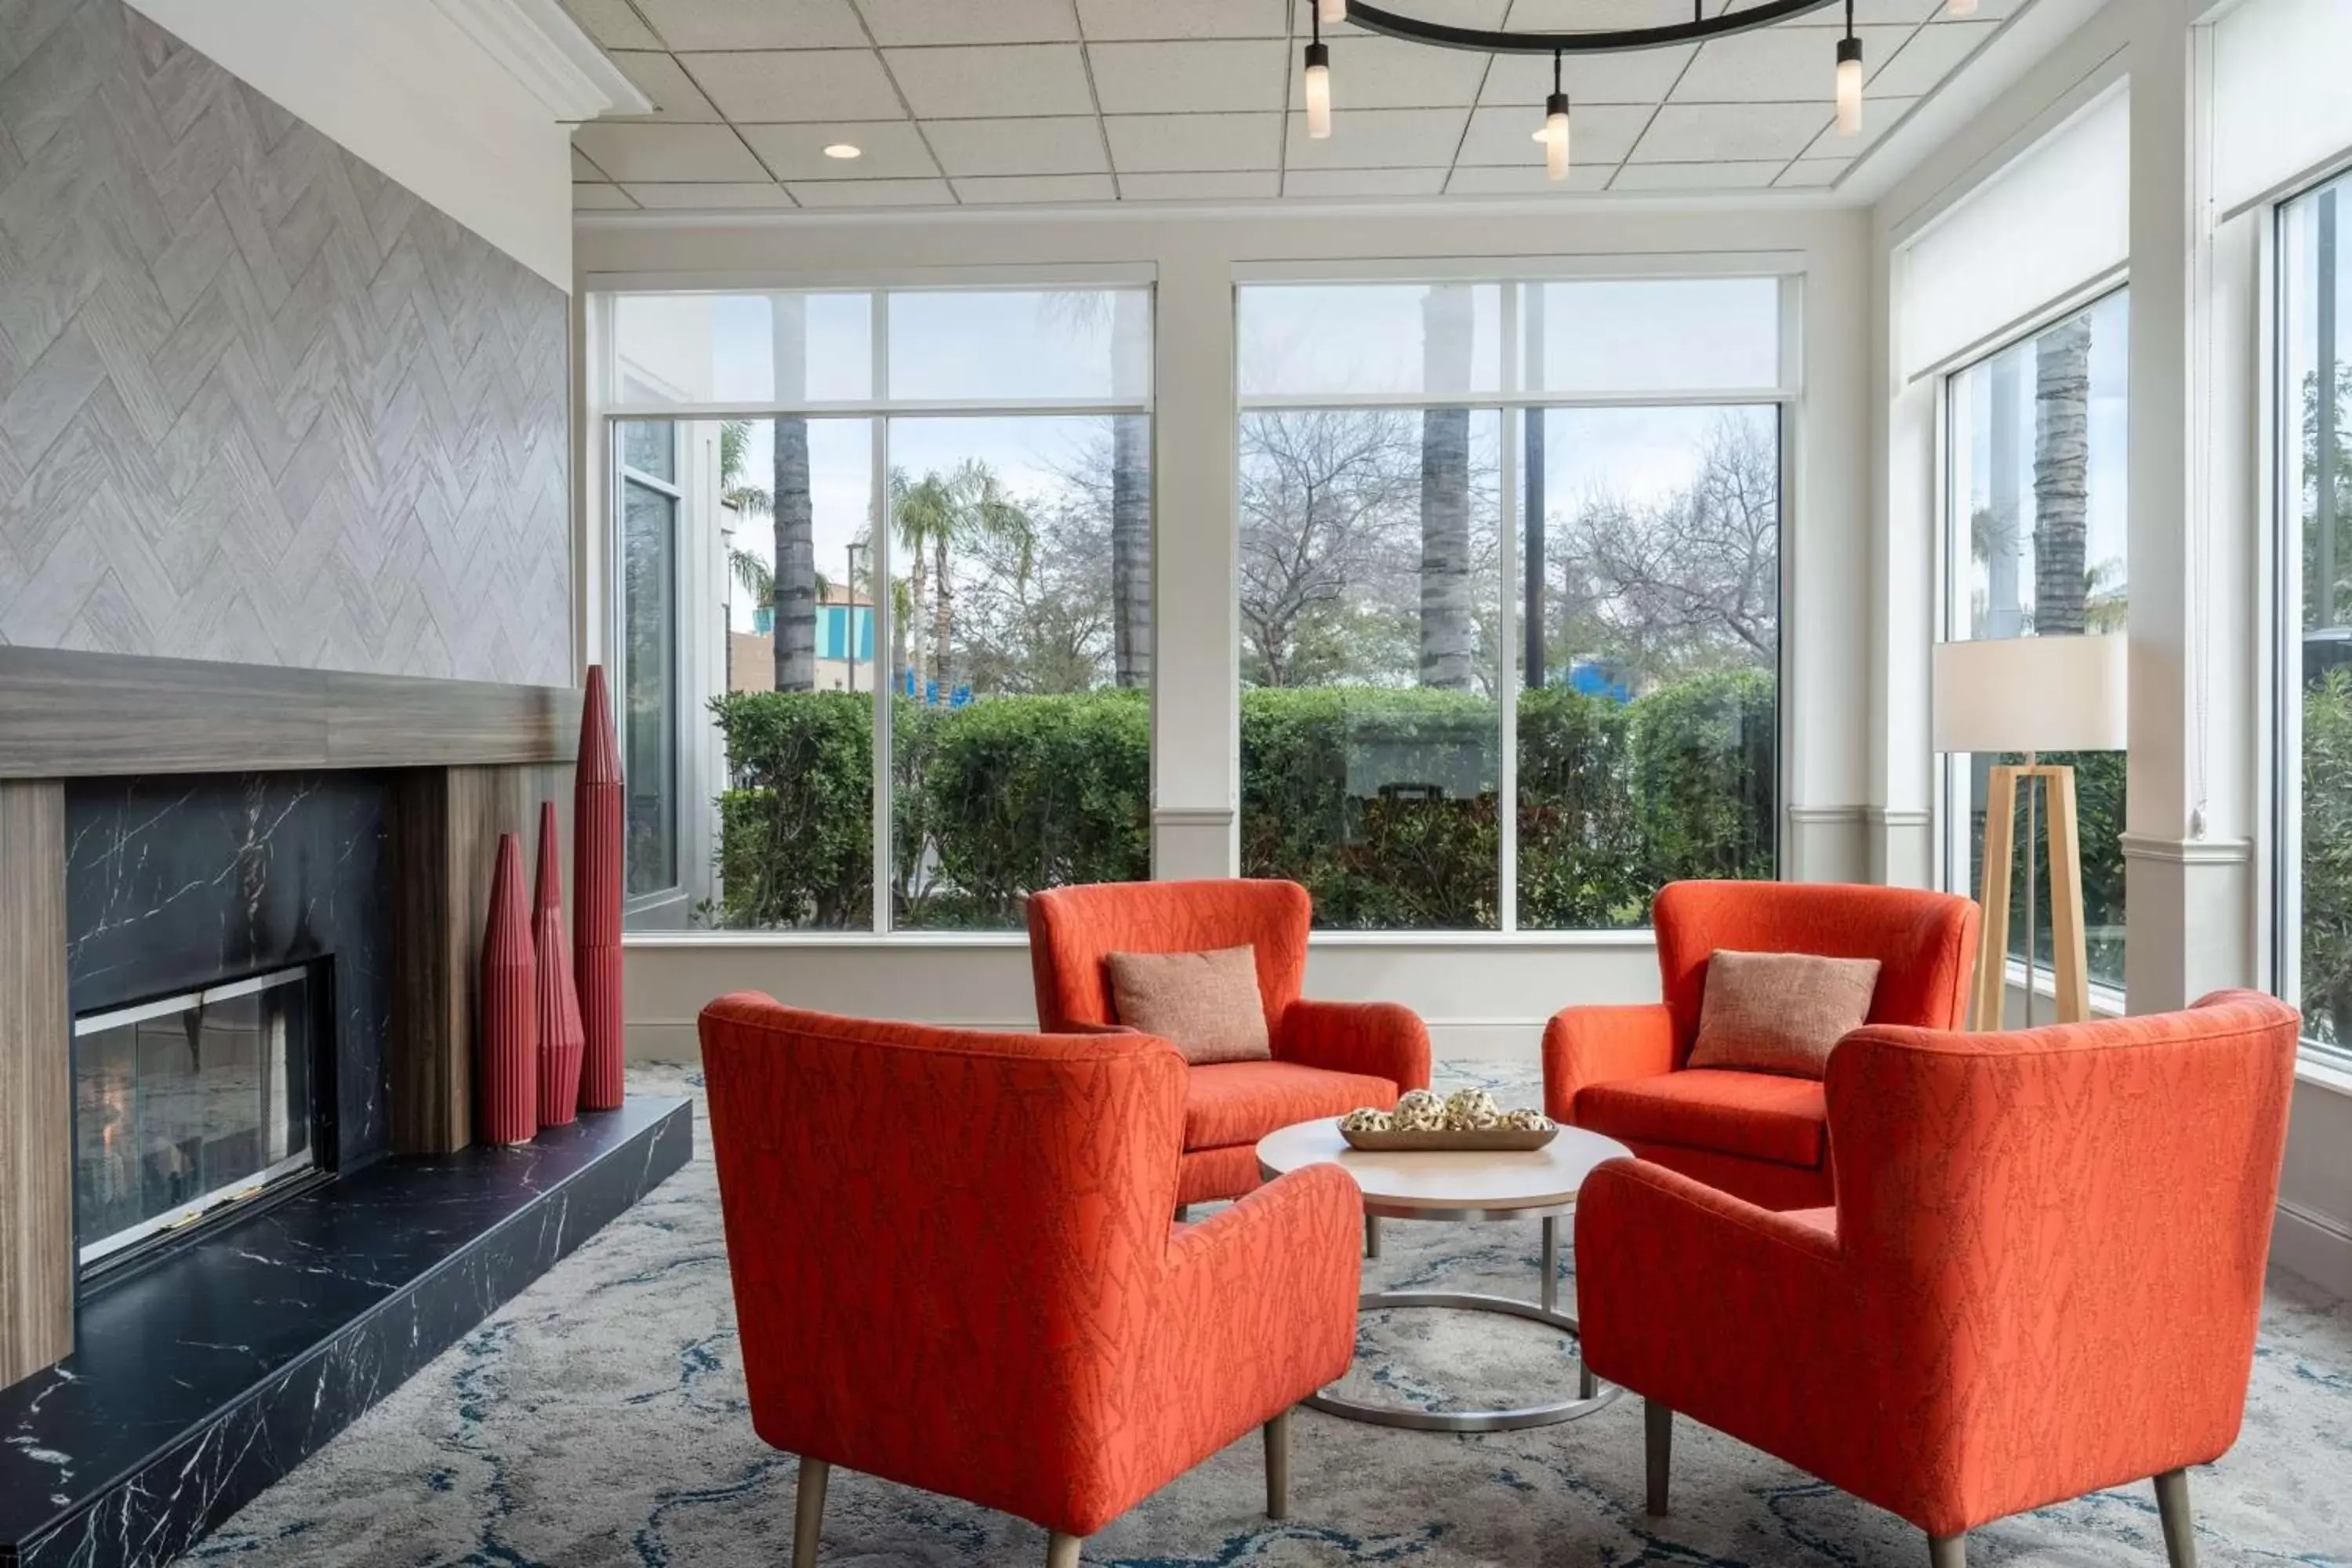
column 1324, row 495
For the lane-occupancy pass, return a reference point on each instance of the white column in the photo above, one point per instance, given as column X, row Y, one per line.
column 1196, row 703
column 2189, row 886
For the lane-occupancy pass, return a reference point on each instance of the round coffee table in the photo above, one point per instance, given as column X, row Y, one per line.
column 1474, row 1186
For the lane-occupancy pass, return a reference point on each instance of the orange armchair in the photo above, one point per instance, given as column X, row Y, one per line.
column 1329, row 1056
column 1619, row 1071
column 2041, row 1277
column 953, row 1266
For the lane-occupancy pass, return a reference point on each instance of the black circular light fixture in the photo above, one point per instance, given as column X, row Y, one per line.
column 1554, row 133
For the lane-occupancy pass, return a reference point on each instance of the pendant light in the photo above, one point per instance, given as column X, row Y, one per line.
column 1849, row 77
column 1318, row 78
column 1964, row 7
column 1336, row 11
column 1555, row 128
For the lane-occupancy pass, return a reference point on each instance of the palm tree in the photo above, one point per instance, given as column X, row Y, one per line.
column 794, row 581
column 919, row 514
column 2061, row 475
column 1130, row 469
column 980, row 510
column 1448, row 635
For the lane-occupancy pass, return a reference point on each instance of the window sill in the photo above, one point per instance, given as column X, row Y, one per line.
column 2322, row 1075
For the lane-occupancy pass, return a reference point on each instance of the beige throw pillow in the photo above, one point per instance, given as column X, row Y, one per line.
column 1779, row 1011
column 1206, row 1005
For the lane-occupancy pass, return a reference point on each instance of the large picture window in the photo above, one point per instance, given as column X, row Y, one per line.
column 2034, row 451
column 912, row 631
column 1510, row 579
column 2315, row 554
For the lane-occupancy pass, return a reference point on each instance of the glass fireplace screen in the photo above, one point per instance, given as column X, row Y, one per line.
column 187, row 1107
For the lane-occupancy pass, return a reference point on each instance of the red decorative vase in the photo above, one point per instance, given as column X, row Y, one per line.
column 561, row 1039
column 509, row 1072
column 596, row 807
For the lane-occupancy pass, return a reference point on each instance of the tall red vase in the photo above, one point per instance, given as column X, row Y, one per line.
column 596, row 920
column 508, row 1075
column 561, row 1038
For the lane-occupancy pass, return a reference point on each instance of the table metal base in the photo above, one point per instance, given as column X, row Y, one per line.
column 1592, row 1394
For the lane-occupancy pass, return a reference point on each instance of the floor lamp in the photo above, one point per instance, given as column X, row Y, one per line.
column 2031, row 695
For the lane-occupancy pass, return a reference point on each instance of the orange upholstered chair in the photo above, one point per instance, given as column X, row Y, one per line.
column 2041, row 1279
column 1329, row 1056
column 1619, row 1071
column 954, row 1268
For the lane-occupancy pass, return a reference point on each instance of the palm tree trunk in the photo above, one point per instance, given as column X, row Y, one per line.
column 796, row 514
column 1447, row 634
column 943, row 614
column 2061, row 475
column 1130, row 492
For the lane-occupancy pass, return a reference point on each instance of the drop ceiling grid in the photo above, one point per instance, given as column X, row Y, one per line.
column 723, row 120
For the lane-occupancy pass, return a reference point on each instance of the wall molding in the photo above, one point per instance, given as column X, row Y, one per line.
column 2316, row 1246
column 1897, row 817
column 1829, row 815
column 2187, row 851
column 1193, row 815
column 545, row 50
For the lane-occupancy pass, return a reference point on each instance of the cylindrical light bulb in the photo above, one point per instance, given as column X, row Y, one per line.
column 1964, row 7
column 1849, row 86
column 1555, row 137
column 1337, row 10
column 1318, row 90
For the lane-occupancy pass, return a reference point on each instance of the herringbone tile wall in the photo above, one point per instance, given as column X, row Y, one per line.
column 258, row 401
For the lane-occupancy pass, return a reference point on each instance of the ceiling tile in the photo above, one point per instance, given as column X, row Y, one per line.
column 967, row 22
column 601, row 198
column 755, row 24
column 1811, row 174
column 1389, row 73
column 1934, row 53
column 1603, row 133
column 612, row 24
column 1363, row 182
column 1901, row 13
column 1011, row 79
column 1070, row 144
column 1378, row 139
column 1528, row 180
column 1193, row 143
column 659, row 77
column 1743, row 175
column 1704, row 132
column 1879, row 116
column 1777, row 65
column 583, row 168
column 1177, row 78
column 1192, row 19
column 1037, row 188
column 656, row 152
column 874, row 193
column 1595, row 15
column 1453, row 13
column 1229, row 185
column 888, row 150
column 771, row 85
column 1644, row 76
column 763, row 193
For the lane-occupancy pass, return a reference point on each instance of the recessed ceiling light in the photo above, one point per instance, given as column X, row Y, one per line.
column 843, row 150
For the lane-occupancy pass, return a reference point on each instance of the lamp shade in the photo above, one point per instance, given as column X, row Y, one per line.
column 2031, row 694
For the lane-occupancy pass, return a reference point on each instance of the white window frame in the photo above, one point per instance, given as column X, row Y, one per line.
column 879, row 410
column 1784, row 397
column 675, row 489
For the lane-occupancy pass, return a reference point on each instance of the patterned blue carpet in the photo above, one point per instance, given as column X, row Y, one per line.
column 599, row 1419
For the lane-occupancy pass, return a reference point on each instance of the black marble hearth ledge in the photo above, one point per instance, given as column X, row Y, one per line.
column 199, row 1383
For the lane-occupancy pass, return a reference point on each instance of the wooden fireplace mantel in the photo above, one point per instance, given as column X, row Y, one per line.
column 74, row 715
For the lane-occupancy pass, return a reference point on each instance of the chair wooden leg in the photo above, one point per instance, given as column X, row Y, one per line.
column 1947, row 1552
column 808, row 1511
column 1183, row 1214
column 1062, row 1552
column 1277, row 1466
column 2180, row 1530
column 1658, row 1432
column 1371, row 1236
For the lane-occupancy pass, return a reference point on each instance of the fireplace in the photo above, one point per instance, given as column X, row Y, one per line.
column 191, row 1110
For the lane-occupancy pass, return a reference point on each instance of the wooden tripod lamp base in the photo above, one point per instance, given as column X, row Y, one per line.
column 2056, row 782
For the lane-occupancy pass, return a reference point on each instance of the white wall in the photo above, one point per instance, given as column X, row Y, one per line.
column 1483, row 994
column 406, row 88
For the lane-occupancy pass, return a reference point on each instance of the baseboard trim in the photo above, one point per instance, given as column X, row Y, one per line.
column 2316, row 1246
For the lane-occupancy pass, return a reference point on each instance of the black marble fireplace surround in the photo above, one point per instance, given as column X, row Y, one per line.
column 202, row 1377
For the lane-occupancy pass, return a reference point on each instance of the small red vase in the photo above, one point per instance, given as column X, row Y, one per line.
column 508, row 1075
column 596, row 811
column 560, row 1037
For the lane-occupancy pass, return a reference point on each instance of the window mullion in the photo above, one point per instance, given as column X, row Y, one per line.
column 885, row 673
column 1506, row 627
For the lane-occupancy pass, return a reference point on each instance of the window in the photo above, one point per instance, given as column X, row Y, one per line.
column 2314, row 556
column 2035, row 437
column 1509, row 578
column 911, row 725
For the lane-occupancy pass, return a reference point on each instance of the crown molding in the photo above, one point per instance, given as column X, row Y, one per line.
column 2187, row 851
column 543, row 48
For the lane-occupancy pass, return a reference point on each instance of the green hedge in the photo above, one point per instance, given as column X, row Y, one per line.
column 1016, row 792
